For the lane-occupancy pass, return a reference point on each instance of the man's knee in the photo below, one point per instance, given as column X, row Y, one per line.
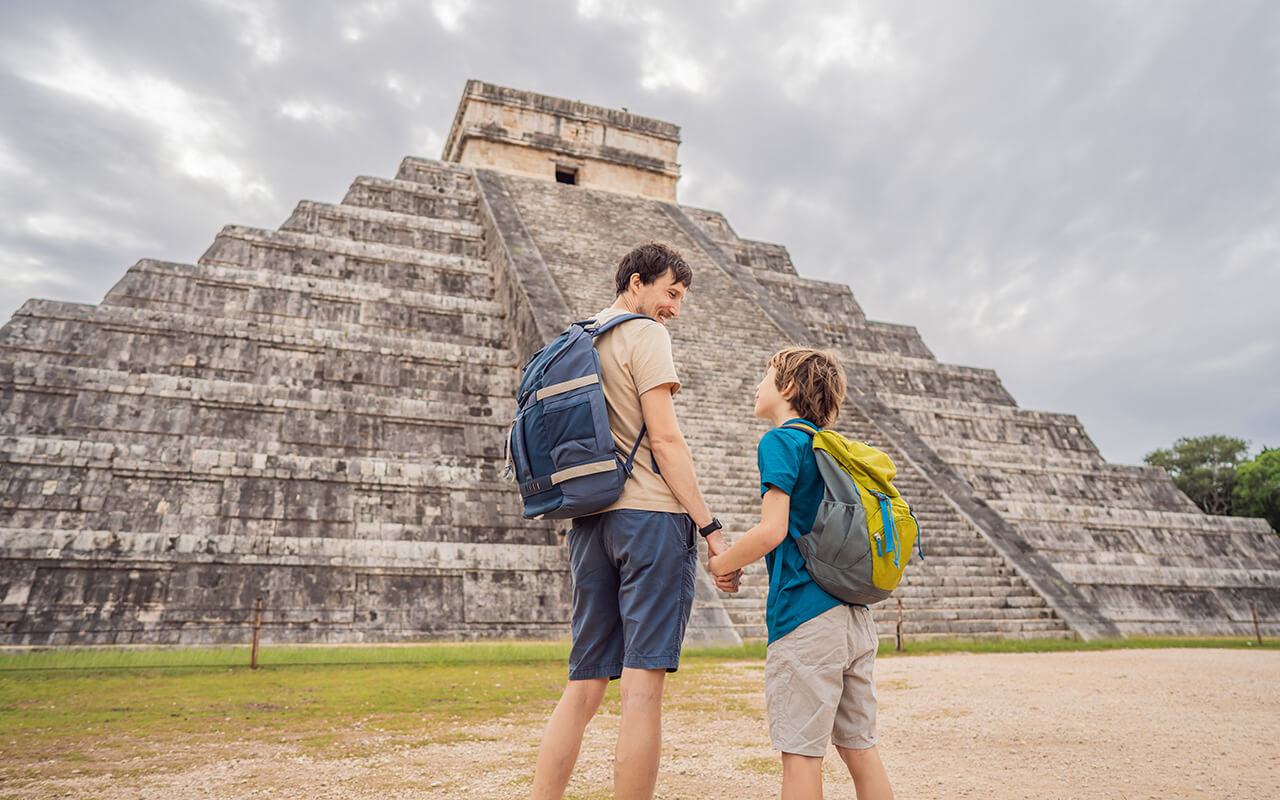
column 585, row 696
column 642, row 687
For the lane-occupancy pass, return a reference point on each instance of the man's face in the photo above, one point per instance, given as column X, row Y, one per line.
column 660, row 299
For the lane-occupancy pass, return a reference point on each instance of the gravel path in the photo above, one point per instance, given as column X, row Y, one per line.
column 1119, row 724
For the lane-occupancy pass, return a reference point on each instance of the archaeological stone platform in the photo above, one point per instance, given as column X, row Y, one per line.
column 315, row 416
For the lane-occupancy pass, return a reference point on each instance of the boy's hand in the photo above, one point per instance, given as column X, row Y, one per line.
column 716, row 545
column 729, row 583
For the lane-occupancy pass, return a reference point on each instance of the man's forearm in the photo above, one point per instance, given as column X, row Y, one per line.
column 676, row 463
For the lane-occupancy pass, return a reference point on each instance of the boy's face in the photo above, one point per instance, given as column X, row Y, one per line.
column 770, row 402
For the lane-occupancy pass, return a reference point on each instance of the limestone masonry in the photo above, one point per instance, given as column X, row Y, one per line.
column 315, row 416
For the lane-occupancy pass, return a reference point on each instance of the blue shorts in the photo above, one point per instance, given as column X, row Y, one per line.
column 633, row 580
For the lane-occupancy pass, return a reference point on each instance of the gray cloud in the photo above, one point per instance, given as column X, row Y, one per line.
column 1082, row 196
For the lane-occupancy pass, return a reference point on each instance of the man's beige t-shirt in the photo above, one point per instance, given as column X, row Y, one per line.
column 635, row 357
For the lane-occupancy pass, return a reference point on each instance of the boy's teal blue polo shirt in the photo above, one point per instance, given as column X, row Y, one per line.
column 786, row 461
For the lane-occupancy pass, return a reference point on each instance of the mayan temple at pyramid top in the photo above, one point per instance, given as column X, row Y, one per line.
column 315, row 416
column 564, row 140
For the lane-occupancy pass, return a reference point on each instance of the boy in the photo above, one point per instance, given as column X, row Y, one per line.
column 821, row 652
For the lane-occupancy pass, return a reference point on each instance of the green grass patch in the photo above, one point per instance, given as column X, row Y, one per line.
column 320, row 706
column 441, row 653
column 749, row 651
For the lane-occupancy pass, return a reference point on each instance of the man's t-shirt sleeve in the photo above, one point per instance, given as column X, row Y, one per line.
column 778, row 461
column 652, row 363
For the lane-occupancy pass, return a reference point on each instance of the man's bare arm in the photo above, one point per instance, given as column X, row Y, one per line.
column 671, row 452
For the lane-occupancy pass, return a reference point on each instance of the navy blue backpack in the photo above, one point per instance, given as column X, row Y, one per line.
column 560, row 447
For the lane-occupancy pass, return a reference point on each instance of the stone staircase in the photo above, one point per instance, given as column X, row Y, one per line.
column 310, row 414
column 722, row 342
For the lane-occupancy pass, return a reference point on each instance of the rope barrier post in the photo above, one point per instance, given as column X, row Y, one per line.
column 899, row 624
column 1256, row 630
column 257, row 626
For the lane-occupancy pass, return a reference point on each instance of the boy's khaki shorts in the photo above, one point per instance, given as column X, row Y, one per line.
column 818, row 683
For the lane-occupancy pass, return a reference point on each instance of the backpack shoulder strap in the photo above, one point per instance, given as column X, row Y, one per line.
column 800, row 426
column 596, row 330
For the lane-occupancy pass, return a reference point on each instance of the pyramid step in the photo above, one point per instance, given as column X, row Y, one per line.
column 119, row 406
column 158, row 343
column 300, row 302
column 356, row 223
column 456, row 471
column 983, row 627
column 353, row 262
column 439, row 175
column 52, row 327
column 915, row 616
column 936, row 601
column 95, row 485
column 410, row 197
column 447, row 404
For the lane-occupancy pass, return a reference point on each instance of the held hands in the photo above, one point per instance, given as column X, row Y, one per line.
column 716, row 546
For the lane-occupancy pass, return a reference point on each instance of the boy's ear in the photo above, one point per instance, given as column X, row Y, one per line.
column 788, row 391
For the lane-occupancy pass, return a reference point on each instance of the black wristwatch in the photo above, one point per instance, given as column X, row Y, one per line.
column 712, row 526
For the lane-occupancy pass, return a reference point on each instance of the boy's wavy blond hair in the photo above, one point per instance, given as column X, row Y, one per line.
column 818, row 379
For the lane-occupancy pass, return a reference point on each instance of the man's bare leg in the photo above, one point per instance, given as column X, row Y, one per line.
column 801, row 777
column 870, row 780
column 635, row 765
column 562, row 739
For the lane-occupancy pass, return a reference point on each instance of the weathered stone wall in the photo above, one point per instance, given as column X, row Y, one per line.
column 312, row 415
column 530, row 134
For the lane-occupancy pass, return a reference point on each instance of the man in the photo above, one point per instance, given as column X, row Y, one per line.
column 633, row 564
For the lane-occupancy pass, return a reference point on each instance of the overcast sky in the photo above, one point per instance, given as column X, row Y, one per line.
column 1084, row 196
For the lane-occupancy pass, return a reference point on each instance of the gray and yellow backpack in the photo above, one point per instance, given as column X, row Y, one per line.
column 861, row 540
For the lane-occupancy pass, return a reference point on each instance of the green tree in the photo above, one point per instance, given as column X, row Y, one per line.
column 1257, row 492
column 1204, row 468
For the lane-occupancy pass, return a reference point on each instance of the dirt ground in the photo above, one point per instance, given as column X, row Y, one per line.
column 1112, row 724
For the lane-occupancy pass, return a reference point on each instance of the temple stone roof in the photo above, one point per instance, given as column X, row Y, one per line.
column 549, row 137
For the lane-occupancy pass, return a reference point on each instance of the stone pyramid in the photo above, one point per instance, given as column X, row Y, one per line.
column 315, row 415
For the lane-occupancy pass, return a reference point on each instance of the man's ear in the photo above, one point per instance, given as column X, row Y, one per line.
column 634, row 283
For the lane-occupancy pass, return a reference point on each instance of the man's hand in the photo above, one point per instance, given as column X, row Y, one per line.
column 716, row 545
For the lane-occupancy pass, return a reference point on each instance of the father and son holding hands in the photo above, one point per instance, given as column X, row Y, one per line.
column 633, row 564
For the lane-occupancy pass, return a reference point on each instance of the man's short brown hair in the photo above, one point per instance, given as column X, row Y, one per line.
column 651, row 261
column 818, row 379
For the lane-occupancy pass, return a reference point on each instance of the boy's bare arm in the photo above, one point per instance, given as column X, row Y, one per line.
column 671, row 452
column 755, row 543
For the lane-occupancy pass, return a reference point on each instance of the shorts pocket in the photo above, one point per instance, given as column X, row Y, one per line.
column 683, row 534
